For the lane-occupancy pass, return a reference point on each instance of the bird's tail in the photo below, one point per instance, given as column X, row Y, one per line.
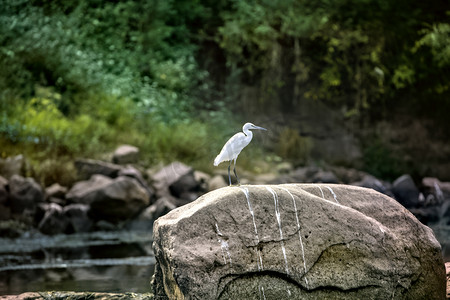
column 217, row 161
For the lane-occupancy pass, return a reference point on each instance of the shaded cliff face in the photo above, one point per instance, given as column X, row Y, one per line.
column 295, row 240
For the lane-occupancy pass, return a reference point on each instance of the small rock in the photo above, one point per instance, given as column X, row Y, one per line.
column 176, row 178
column 217, row 182
column 371, row 182
column 203, row 179
column 88, row 167
column 434, row 186
column 161, row 207
column 56, row 190
column 325, row 177
column 406, row 191
column 25, row 193
column 132, row 172
column 126, row 154
column 54, row 220
column 77, row 216
column 4, row 195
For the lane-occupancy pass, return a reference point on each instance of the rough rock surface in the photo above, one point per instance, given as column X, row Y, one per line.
column 25, row 193
column 126, row 154
column 3, row 190
column 56, row 190
column 77, row 296
column 299, row 241
column 405, row 191
column 178, row 180
column 119, row 200
column 85, row 191
column 77, row 215
column 88, row 167
column 54, row 220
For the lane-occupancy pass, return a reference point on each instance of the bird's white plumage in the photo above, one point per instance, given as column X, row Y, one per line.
column 236, row 143
column 233, row 147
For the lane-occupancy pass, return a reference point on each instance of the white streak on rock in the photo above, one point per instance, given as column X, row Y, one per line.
column 299, row 233
column 224, row 246
column 334, row 195
column 245, row 191
column 278, row 216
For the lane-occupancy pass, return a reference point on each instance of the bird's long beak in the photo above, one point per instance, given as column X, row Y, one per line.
column 257, row 127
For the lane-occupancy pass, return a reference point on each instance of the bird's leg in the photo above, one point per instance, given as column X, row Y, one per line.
column 234, row 169
column 229, row 176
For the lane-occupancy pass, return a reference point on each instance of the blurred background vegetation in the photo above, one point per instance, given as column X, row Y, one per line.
column 178, row 77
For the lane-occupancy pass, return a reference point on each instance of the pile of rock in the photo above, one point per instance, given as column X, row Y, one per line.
column 121, row 194
column 109, row 196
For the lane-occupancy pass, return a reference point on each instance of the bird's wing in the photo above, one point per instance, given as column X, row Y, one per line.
column 232, row 148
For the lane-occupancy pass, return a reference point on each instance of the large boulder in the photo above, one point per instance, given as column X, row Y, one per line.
column 25, row 193
column 121, row 199
column 296, row 241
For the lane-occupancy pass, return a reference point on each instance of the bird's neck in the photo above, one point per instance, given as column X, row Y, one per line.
column 248, row 133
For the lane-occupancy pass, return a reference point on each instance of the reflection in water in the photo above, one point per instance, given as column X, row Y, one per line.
column 98, row 262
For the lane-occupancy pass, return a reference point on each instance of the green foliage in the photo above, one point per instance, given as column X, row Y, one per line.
column 380, row 161
column 78, row 78
column 294, row 147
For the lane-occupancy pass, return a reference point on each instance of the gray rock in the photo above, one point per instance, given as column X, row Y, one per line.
column 406, row 191
column 371, row 182
column 54, row 220
column 25, row 193
column 88, row 167
column 325, row 177
column 217, row 182
column 176, row 178
column 119, row 200
column 56, row 190
column 126, row 154
column 161, row 207
column 77, row 216
column 441, row 190
column 295, row 241
column 144, row 221
column 86, row 191
column 132, row 172
column 304, row 174
column 4, row 195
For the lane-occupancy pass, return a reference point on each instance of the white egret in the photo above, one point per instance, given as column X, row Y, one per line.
column 234, row 146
